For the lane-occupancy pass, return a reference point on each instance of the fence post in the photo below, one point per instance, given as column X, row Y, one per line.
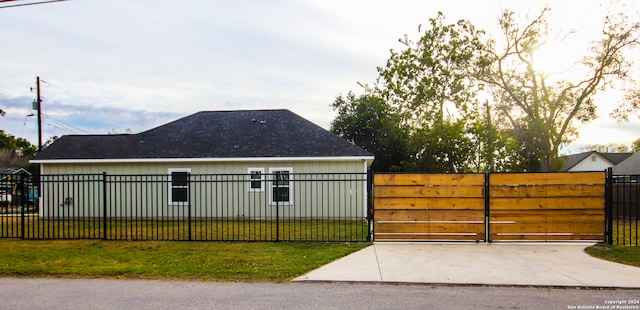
column 22, row 203
column 487, row 207
column 608, row 206
column 104, row 205
column 189, row 205
column 277, row 199
column 370, row 205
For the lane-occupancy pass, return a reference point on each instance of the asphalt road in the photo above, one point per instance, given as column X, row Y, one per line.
column 139, row 294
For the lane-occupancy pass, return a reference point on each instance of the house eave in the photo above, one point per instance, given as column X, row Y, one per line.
column 367, row 159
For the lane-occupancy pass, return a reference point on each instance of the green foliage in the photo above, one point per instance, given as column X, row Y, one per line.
column 635, row 147
column 441, row 149
column 21, row 146
column 15, row 152
column 494, row 148
column 434, row 85
column 435, row 71
column 368, row 122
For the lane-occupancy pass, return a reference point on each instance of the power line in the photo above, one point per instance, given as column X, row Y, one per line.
column 67, row 127
column 25, row 4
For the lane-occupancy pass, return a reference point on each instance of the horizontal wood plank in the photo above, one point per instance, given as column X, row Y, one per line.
column 428, row 191
column 459, row 203
column 428, row 179
column 547, row 216
column 457, row 227
column 547, row 191
column 546, row 203
column 428, row 237
column 546, row 237
column 590, row 227
column 429, row 215
column 566, row 178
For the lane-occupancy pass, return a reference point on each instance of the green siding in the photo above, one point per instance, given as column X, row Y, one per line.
column 218, row 190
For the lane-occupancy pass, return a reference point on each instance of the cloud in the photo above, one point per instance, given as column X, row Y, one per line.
column 60, row 118
column 138, row 64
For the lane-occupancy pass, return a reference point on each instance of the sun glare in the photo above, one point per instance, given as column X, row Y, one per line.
column 554, row 58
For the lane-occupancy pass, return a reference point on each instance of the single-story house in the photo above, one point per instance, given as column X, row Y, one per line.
column 261, row 154
column 592, row 161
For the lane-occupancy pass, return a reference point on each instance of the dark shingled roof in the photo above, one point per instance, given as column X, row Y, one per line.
column 631, row 165
column 616, row 158
column 211, row 134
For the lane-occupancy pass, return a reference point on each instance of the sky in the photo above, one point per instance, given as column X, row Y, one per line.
column 119, row 66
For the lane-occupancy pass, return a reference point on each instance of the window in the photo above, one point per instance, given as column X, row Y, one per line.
column 281, row 187
column 179, row 186
column 256, row 180
column 593, row 158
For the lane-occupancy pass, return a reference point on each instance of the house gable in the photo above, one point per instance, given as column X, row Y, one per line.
column 592, row 161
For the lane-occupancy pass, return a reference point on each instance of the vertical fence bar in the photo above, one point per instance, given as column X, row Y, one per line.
column 277, row 200
column 608, row 206
column 22, row 204
column 104, row 205
column 189, row 187
column 370, row 206
column 487, row 207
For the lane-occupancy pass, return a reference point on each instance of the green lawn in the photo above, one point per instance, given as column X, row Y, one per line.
column 628, row 255
column 202, row 261
column 196, row 230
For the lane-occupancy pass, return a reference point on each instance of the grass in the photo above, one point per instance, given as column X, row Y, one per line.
column 201, row 261
column 626, row 232
column 628, row 255
column 196, row 229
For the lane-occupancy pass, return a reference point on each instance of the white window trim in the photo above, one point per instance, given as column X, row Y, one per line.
column 262, row 182
column 272, row 172
column 170, row 187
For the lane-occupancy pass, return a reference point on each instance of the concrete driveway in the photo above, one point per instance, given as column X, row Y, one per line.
column 519, row 264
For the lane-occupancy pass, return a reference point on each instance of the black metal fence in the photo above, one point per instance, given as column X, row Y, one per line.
column 623, row 206
column 281, row 206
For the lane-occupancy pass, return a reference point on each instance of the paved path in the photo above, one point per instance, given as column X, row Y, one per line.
column 531, row 264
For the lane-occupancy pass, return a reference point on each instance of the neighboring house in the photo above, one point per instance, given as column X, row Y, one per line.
column 249, row 144
column 8, row 184
column 630, row 166
column 592, row 161
column 4, row 172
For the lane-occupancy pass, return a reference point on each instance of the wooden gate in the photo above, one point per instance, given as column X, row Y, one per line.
column 547, row 206
column 486, row 207
column 429, row 207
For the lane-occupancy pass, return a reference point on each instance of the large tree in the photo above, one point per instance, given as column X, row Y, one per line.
column 15, row 152
column 434, row 76
column 544, row 111
column 432, row 85
column 370, row 123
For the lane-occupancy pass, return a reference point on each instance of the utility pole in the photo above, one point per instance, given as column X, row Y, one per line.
column 38, row 107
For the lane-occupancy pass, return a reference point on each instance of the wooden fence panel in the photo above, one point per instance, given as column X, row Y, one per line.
column 522, row 206
column 429, row 207
column 547, row 206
